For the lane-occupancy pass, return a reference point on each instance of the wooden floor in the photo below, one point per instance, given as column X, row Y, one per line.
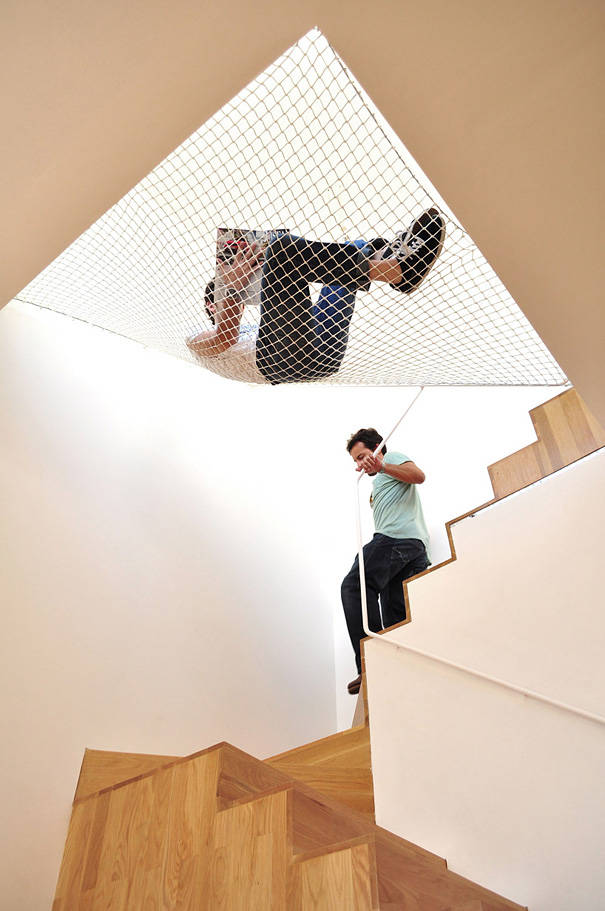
column 222, row 830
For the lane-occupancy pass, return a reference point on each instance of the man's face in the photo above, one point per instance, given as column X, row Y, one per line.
column 359, row 452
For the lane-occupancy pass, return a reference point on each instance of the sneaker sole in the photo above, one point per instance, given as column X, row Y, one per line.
column 434, row 216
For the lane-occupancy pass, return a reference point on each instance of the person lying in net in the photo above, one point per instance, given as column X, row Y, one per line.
column 297, row 340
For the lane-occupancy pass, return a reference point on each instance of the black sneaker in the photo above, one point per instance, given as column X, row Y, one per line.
column 417, row 249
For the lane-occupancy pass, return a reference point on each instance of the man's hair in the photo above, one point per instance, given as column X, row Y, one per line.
column 369, row 437
column 209, row 299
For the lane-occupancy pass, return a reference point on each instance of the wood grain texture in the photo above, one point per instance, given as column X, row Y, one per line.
column 223, row 830
column 468, row 906
column 341, row 879
column 104, row 769
column 319, row 822
column 338, row 766
column 566, row 432
column 243, row 776
column 140, row 844
column 405, row 878
column 95, row 842
column 359, row 715
column 123, row 847
column 335, row 746
column 250, row 855
column 350, row 786
column 71, row 872
column 190, row 819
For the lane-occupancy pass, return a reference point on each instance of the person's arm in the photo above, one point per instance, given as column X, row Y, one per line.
column 407, row 472
column 234, row 276
column 226, row 332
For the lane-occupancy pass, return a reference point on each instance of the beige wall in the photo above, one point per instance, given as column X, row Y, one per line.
column 500, row 104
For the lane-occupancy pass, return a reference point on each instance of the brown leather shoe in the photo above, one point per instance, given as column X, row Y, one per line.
column 354, row 686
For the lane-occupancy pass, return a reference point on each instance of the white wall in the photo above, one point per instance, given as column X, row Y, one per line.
column 453, row 434
column 158, row 589
column 523, row 601
column 172, row 551
column 508, row 789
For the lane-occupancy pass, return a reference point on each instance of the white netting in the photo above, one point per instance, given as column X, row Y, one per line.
column 301, row 147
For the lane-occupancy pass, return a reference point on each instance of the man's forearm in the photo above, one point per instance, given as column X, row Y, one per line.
column 407, row 472
column 210, row 344
column 226, row 334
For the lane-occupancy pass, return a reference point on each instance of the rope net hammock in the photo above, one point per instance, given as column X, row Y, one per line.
column 301, row 149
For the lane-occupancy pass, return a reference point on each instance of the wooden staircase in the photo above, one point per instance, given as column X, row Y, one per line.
column 338, row 766
column 223, row 830
column 566, row 431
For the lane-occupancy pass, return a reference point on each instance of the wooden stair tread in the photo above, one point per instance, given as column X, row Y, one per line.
column 104, row 768
column 354, row 740
column 339, row 762
column 351, row 788
column 302, row 856
column 408, row 880
column 338, row 766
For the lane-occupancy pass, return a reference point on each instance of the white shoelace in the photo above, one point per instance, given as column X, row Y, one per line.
column 406, row 245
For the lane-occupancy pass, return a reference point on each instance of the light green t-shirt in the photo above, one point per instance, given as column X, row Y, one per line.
column 396, row 505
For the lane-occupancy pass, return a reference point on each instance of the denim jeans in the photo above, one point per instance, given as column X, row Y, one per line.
column 387, row 562
column 298, row 340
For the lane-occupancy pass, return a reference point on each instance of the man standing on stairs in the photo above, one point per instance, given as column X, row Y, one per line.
column 399, row 548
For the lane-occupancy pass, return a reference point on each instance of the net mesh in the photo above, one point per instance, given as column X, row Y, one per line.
column 302, row 147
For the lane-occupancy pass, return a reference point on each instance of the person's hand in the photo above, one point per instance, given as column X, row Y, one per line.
column 371, row 464
column 238, row 272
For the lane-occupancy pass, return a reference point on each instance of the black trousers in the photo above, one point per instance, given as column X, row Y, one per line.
column 297, row 340
column 387, row 562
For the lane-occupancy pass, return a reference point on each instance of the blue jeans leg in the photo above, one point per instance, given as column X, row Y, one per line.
column 392, row 602
column 332, row 314
column 288, row 341
column 384, row 560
